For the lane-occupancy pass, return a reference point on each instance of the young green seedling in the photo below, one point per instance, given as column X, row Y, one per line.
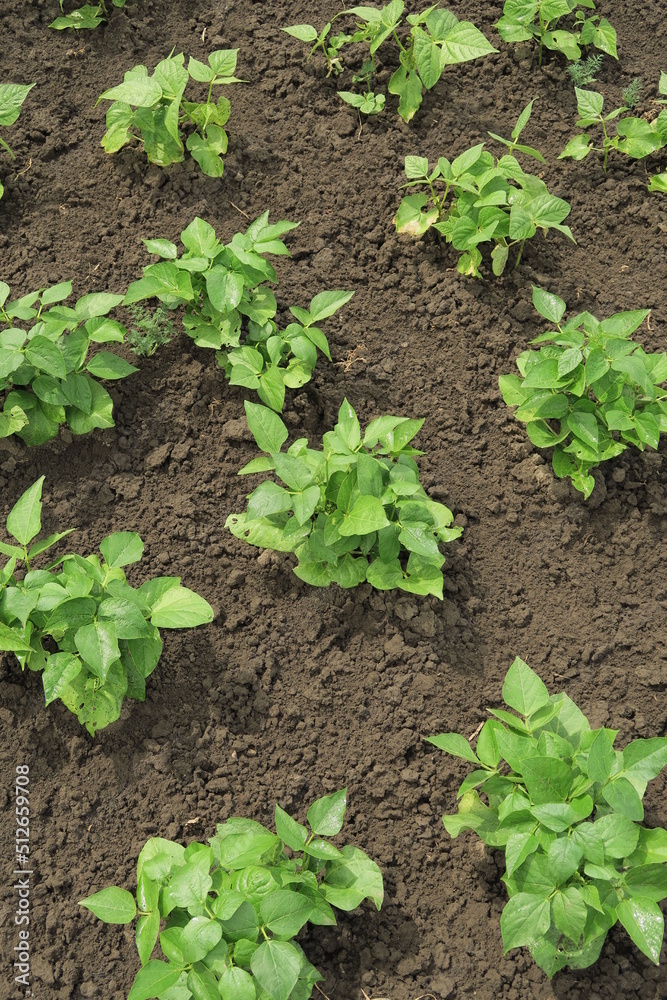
column 476, row 199
column 427, row 44
column 537, row 20
column 84, row 17
column 224, row 290
column 106, row 632
column 227, row 915
column 636, row 137
column 354, row 511
column 590, row 391
column 46, row 376
column 12, row 96
column 566, row 807
column 151, row 110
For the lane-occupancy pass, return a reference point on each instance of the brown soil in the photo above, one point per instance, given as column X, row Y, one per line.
column 293, row 692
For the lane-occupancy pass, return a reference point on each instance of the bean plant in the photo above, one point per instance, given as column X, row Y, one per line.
column 227, row 914
column 46, row 375
column 88, row 16
column 427, row 44
column 629, row 134
column 151, row 110
column 538, row 20
column 566, row 807
column 12, row 96
column 477, row 199
column 589, row 391
column 354, row 511
column 224, row 290
column 106, row 631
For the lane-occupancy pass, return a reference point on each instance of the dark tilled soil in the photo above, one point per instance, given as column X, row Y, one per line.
column 293, row 692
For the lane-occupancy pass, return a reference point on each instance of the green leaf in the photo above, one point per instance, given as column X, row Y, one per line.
column 547, row 779
column 12, row 96
column 367, row 515
column 139, row 91
column 98, row 646
column 569, row 913
column 235, row 983
column 153, row 980
column 644, row 923
column 113, row 906
column 325, row 815
column 325, row 304
column 585, row 427
column 61, row 668
column 146, row 934
column 548, row 305
column 618, row 834
column 96, row 304
column 285, row 912
column 454, row 744
column 523, row 690
column 304, row 32
column 25, row 518
column 266, row 427
column 290, row 832
column 416, row 167
column 623, row 797
column 601, row 757
column 463, row 43
column 179, row 607
column 99, row 414
column 199, row 936
column 107, row 365
column 276, row 965
column 643, row 760
column 122, row 548
column 524, row 920
column 589, row 103
column 351, row 879
column 45, row 355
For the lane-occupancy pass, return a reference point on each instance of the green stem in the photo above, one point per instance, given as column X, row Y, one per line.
column 398, row 41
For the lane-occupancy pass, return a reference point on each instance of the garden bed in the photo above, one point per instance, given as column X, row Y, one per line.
column 293, row 692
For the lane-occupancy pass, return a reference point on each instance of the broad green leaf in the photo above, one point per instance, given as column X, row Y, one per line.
column 351, row 879
column 290, row 832
column 139, row 91
column 266, row 427
column 179, row 607
column 12, row 96
column 454, row 744
column 416, row 167
column 325, row 304
column 589, row 103
column 644, row 923
column 236, row 983
column 98, row 646
column 548, row 305
column 569, row 913
column 643, row 760
column 46, row 356
column 523, row 690
column 113, row 906
column 199, row 936
column 11, row 641
column 464, row 42
column 519, row 846
column 285, row 912
column 618, row 834
column 153, row 980
column 325, row 815
column 107, row 365
column 648, row 881
column 547, row 779
column 122, row 548
column 524, row 920
column 24, row 521
column 601, row 757
column 276, row 965
column 623, row 797
column 367, row 515
column 304, row 32
column 61, row 668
